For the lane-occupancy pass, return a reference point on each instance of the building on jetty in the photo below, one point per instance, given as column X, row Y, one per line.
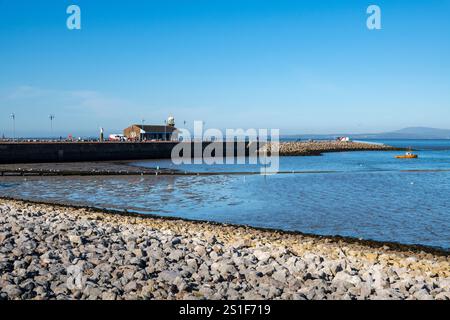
column 140, row 132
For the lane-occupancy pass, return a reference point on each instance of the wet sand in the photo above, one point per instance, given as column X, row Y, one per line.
column 80, row 168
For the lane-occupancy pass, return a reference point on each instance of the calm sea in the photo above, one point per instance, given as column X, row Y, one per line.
column 368, row 195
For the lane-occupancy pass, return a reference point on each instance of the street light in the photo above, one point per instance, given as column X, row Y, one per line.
column 165, row 130
column 13, row 117
column 142, row 130
column 51, row 117
column 203, row 128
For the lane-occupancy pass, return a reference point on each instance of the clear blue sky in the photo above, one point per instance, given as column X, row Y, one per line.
column 301, row 66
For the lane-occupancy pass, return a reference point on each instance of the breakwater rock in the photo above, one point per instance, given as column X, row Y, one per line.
column 60, row 252
column 315, row 148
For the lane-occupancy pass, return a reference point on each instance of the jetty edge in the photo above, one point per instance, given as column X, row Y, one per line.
column 56, row 152
column 51, row 251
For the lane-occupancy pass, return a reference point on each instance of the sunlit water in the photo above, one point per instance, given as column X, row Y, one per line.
column 367, row 195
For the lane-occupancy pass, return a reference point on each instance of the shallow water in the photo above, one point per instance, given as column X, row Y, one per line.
column 366, row 161
column 367, row 195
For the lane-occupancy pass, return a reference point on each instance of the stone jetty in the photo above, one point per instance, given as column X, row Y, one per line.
column 315, row 148
column 61, row 252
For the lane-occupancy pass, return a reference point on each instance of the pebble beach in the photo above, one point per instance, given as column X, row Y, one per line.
column 50, row 251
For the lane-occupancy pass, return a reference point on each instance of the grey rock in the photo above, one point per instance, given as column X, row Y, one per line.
column 343, row 279
column 280, row 275
column 75, row 239
column 261, row 255
column 443, row 296
column 168, row 276
column 93, row 293
column 107, row 295
column 200, row 250
column 223, row 268
column 265, row 269
column 175, row 255
column 131, row 286
column 12, row 291
column 252, row 296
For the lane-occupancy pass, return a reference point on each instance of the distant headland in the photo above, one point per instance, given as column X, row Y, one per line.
column 406, row 133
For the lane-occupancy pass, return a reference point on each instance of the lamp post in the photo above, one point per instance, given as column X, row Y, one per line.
column 51, row 117
column 203, row 125
column 142, row 131
column 165, row 130
column 13, row 117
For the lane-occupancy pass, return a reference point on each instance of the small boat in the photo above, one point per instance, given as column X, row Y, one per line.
column 408, row 155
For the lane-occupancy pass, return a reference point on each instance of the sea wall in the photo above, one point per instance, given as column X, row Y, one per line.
column 34, row 152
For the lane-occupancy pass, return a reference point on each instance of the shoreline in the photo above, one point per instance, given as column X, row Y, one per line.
column 85, row 253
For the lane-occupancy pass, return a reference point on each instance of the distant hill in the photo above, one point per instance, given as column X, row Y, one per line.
column 406, row 133
column 423, row 133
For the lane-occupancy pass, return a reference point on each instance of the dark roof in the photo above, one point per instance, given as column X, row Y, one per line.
column 156, row 129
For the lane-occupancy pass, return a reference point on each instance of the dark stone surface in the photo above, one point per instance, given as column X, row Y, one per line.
column 35, row 152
